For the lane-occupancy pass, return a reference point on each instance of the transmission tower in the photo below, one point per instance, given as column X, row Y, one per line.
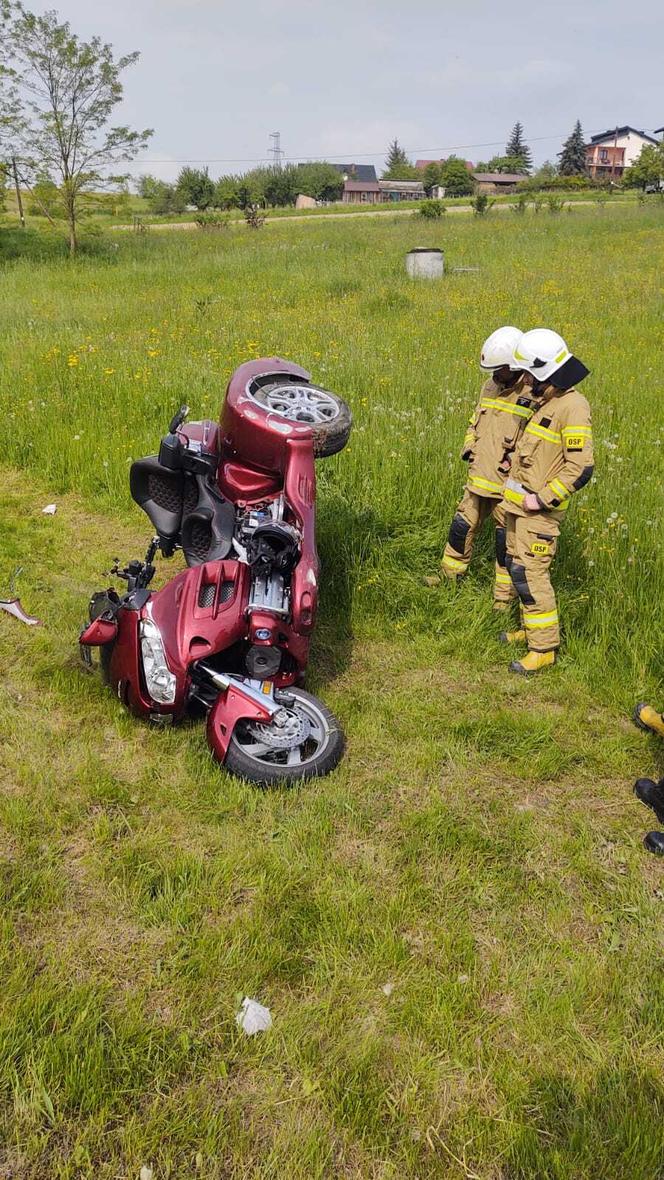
column 276, row 151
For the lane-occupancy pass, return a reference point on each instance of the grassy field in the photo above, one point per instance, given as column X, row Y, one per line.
column 138, row 207
column 458, row 933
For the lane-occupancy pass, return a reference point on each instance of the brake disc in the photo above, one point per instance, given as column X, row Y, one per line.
column 294, row 731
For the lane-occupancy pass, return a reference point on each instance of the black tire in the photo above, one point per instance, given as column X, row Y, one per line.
column 329, row 437
column 275, row 773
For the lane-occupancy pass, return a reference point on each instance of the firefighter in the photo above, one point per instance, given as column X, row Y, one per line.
column 553, row 460
column 648, row 718
column 646, row 789
column 504, row 407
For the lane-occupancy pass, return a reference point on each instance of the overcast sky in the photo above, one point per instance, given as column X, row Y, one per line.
column 340, row 79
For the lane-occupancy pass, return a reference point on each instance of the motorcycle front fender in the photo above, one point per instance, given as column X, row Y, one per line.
column 98, row 633
column 230, row 707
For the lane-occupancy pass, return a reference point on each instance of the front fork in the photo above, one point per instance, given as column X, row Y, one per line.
column 238, row 700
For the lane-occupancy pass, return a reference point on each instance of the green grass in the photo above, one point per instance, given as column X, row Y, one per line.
column 478, row 849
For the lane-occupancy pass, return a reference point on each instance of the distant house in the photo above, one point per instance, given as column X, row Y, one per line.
column 401, row 190
column 497, row 182
column 609, row 154
column 360, row 184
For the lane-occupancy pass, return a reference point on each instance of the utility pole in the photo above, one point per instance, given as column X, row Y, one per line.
column 19, row 199
column 276, row 151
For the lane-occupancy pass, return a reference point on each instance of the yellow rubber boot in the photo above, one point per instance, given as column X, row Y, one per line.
column 534, row 661
column 648, row 718
column 512, row 636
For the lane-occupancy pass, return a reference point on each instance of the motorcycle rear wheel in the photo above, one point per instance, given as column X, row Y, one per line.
column 328, row 414
column 251, row 757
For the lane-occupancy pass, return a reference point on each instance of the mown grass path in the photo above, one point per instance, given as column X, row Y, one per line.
column 458, row 933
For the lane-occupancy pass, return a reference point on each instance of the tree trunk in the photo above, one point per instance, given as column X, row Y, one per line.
column 71, row 218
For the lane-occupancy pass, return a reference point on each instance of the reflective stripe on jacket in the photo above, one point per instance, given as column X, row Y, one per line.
column 554, row 457
column 493, row 432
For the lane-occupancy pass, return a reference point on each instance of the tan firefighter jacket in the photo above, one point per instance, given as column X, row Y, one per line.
column 554, row 457
column 493, row 432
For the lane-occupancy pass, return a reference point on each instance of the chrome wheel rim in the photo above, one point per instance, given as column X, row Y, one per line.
column 299, row 403
column 304, row 718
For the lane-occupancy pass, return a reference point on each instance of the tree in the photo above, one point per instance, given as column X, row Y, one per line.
column 518, row 149
column 546, row 173
column 397, row 164
column 194, row 187
column 226, row 193
column 146, row 185
column 165, row 199
column 504, row 164
column 648, row 169
column 432, row 176
column 46, row 198
column 62, row 92
column 456, row 178
column 280, row 186
column 573, row 156
column 320, row 180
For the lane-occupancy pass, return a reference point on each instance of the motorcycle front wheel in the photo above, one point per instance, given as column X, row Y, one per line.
column 309, row 745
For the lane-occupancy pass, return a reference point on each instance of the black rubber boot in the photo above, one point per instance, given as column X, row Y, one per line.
column 652, row 794
column 654, row 842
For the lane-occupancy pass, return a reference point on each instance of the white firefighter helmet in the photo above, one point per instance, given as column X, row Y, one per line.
column 545, row 354
column 498, row 348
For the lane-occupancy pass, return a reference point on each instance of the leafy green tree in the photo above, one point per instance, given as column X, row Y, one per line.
column 546, row 174
column 518, row 149
column 226, row 193
column 146, row 186
column 397, row 164
column 432, row 176
column 509, row 164
column 194, row 187
column 648, row 169
column 163, row 199
column 456, row 178
column 320, row 180
column 573, row 156
column 58, row 97
column 46, row 199
column 281, row 185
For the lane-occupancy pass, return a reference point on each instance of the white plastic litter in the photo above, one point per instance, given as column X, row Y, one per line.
column 253, row 1017
column 145, row 1173
column 387, row 989
column 50, row 510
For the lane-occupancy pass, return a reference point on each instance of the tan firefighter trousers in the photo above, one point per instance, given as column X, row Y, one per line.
column 471, row 514
column 531, row 547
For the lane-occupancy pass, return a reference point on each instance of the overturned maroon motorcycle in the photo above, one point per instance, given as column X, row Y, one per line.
column 230, row 634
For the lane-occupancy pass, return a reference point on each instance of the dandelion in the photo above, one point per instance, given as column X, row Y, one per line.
column 109, row 371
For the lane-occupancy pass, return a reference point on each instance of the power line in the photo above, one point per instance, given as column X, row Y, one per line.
column 355, row 155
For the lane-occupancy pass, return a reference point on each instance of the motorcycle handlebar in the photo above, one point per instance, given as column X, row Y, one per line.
column 178, row 419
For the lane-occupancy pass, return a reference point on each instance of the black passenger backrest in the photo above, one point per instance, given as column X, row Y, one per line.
column 160, row 493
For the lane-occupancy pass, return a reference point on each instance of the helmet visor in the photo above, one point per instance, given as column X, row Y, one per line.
column 571, row 373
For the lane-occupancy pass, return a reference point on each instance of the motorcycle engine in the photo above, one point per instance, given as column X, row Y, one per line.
column 272, row 549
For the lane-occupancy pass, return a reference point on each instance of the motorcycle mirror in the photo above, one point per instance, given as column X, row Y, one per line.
column 178, row 419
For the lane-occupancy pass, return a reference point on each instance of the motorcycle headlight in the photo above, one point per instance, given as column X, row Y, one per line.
column 160, row 681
